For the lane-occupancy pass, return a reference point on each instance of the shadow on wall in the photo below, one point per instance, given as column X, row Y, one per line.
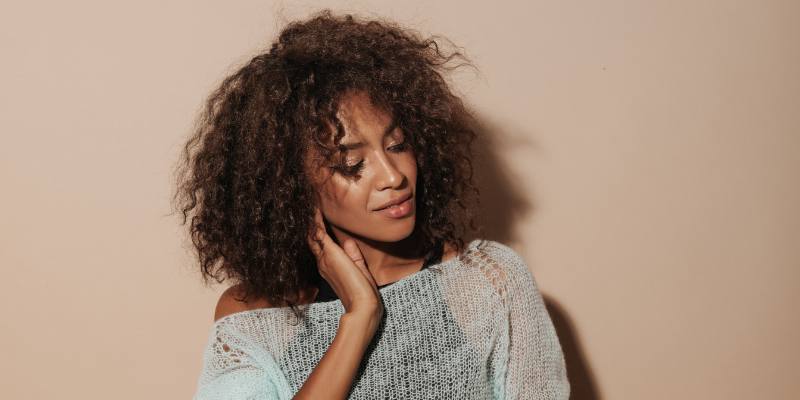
column 581, row 380
column 502, row 204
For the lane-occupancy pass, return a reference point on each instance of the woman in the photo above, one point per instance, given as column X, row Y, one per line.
column 328, row 179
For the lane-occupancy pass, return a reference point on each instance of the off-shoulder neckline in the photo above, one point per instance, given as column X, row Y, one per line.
column 336, row 305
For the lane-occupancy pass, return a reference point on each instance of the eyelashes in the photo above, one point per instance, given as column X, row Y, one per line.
column 355, row 169
column 350, row 170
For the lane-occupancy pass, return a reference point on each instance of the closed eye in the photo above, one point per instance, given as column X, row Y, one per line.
column 355, row 169
column 350, row 170
column 399, row 147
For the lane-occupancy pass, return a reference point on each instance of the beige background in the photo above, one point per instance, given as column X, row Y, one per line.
column 645, row 162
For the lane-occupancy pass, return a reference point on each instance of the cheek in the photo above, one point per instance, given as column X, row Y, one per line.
column 344, row 198
column 410, row 167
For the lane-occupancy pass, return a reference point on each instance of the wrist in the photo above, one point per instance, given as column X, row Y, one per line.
column 361, row 321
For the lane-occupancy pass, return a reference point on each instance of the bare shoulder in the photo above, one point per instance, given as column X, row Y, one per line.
column 449, row 251
column 232, row 301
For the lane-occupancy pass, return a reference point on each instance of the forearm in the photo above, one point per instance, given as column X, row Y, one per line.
column 333, row 376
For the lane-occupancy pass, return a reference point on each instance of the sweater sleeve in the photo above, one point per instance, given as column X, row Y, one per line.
column 234, row 368
column 529, row 363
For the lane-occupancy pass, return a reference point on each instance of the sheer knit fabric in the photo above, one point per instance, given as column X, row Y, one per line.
column 471, row 327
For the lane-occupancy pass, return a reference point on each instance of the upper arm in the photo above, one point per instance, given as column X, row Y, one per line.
column 236, row 365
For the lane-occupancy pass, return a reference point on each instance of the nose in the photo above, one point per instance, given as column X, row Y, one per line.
column 388, row 175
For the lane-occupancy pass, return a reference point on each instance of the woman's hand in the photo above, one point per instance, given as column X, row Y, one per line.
column 345, row 271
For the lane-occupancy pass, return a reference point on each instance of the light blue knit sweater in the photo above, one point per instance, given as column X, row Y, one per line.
column 471, row 327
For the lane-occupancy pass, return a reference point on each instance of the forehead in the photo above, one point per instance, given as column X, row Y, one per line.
column 360, row 116
column 362, row 120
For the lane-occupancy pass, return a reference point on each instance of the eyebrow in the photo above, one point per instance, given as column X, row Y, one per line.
column 355, row 145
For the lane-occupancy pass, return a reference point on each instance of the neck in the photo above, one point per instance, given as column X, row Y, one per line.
column 387, row 261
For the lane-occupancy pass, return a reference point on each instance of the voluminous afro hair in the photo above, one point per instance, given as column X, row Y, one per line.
column 242, row 176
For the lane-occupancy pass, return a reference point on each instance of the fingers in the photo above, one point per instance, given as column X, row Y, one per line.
column 319, row 241
column 351, row 249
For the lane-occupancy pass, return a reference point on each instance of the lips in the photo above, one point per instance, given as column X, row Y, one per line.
column 394, row 201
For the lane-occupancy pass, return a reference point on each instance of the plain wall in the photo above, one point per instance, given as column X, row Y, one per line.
column 644, row 160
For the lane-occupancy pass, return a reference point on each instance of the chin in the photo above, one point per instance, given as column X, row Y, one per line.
column 394, row 231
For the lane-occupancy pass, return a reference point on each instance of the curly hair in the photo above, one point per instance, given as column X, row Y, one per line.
column 242, row 176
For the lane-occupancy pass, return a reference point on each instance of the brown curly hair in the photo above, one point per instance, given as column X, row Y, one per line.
column 242, row 175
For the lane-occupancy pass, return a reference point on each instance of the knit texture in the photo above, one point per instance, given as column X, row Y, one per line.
column 471, row 327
